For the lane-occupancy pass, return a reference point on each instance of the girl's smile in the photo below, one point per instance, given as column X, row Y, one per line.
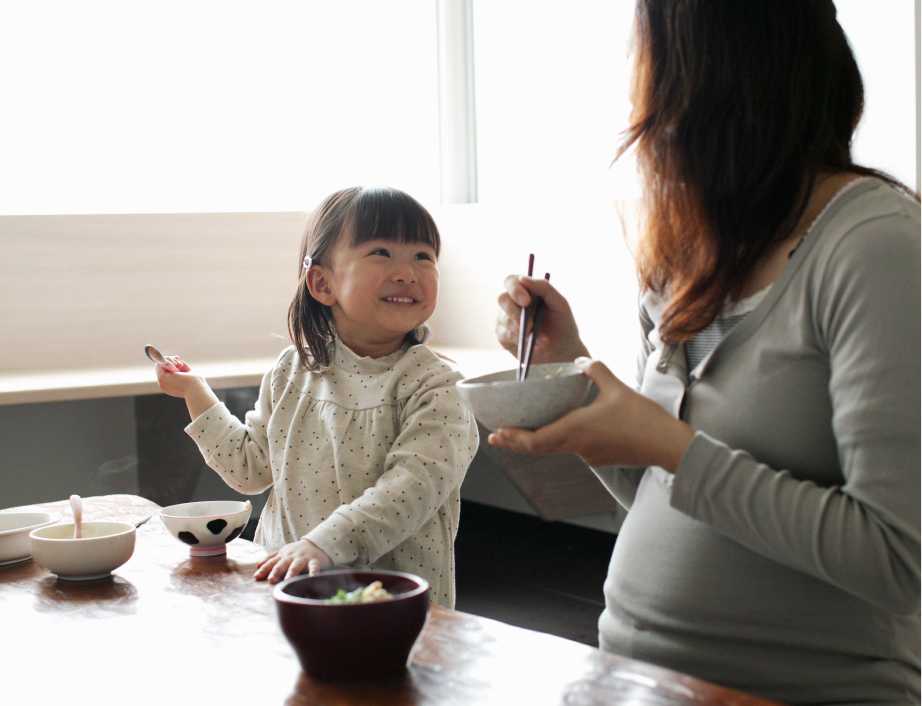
column 378, row 292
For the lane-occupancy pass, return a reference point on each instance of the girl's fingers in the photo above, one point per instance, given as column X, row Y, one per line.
column 265, row 566
column 279, row 570
column 273, row 555
column 296, row 567
column 313, row 567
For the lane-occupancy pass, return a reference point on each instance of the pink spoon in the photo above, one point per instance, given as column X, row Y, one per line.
column 76, row 506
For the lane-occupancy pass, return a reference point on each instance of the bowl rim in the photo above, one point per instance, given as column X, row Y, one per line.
column 128, row 528
column 278, row 593
column 478, row 381
column 247, row 507
column 51, row 519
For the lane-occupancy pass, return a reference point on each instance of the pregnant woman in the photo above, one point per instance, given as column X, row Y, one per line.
column 769, row 454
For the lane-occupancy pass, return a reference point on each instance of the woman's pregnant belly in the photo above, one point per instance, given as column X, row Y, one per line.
column 682, row 595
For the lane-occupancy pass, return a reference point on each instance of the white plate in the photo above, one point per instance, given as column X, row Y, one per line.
column 11, row 562
column 15, row 527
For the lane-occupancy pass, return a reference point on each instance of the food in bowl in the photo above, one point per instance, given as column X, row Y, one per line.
column 101, row 548
column 371, row 593
column 550, row 391
column 352, row 641
column 15, row 545
column 208, row 526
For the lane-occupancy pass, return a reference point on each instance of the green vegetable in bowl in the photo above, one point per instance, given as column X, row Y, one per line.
column 372, row 593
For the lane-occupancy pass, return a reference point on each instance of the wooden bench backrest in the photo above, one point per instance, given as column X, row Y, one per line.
column 87, row 292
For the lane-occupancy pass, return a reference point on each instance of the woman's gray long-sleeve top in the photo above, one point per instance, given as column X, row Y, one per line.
column 782, row 558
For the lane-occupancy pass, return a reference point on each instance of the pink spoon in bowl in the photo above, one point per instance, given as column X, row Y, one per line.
column 76, row 506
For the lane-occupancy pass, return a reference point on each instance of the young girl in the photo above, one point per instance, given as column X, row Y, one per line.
column 358, row 430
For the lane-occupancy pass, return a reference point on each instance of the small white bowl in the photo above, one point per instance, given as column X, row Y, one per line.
column 15, row 545
column 104, row 546
column 551, row 390
column 207, row 526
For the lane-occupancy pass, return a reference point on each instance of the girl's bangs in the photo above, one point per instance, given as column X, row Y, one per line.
column 391, row 215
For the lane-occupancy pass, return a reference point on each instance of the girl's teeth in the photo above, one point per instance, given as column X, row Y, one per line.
column 399, row 300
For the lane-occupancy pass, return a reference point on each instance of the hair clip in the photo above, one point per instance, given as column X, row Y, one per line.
column 308, row 261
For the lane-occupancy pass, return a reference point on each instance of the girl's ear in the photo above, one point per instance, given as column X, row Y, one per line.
column 318, row 284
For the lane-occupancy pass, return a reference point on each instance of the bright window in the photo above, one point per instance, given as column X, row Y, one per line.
column 213, row 105
column 882, row 36
column 552, row 98
column 552, row 83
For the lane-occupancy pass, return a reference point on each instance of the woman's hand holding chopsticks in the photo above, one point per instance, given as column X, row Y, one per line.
column 558, row 338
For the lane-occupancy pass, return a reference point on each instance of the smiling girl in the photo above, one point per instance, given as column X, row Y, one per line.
column 358, row 430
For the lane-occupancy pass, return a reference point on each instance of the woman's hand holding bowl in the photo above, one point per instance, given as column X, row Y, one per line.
column 621, row 427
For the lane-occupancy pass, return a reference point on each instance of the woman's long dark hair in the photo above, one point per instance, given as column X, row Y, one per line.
column 361, row 214
column 739, row 107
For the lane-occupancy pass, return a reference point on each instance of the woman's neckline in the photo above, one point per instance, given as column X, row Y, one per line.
column 833, row 199
column 750, row 323
column 742, row 306
column 836, row 196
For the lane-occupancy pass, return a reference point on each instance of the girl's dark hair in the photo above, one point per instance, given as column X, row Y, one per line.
column 739, row 106
column 363, row 214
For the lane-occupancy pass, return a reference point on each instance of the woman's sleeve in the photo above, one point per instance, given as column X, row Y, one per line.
column 622, row 481
column 238, row 452
column 426, row 463
column 862, row 536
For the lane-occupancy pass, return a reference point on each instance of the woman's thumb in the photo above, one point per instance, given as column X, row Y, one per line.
column 596, row 371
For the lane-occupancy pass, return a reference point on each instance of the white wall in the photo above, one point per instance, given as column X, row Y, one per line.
column 884, row 38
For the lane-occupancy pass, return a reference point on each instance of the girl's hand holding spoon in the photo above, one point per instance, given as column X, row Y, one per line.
column 175, row 378
column 166, row 367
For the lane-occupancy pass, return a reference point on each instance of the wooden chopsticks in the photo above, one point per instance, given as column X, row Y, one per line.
column 534, row 312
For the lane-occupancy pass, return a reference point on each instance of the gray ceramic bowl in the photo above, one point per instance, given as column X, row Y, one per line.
column 551, row 390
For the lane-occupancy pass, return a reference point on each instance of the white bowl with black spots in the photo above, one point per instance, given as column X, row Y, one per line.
column 207, row 527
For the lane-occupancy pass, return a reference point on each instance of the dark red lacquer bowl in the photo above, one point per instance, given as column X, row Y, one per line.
column 354, row 641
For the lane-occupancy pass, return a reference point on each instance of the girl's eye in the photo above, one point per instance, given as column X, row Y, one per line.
column 424, row 256
column 383, row 252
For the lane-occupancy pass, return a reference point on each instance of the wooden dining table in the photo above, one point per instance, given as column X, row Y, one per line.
column 170, row 629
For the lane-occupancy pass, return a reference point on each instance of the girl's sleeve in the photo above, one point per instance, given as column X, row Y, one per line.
column 238, row 452
column 862, row 536
column 622, row 481
column 426, row 463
